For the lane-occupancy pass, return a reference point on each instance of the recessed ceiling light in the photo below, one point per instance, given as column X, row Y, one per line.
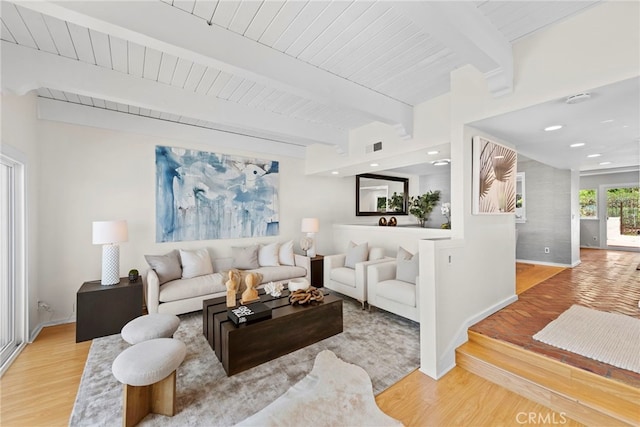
column 577, row 144
column 625, row 126
column 431, row 153
column 554, row 127
column 607, row 121
column 581, row 97
column 604, row 163
column 373, row 165
column 594, row 155
column 335, row 173
column 441, row 162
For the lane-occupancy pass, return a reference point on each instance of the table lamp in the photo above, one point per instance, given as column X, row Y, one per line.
column 311, row 226
column 109, row 234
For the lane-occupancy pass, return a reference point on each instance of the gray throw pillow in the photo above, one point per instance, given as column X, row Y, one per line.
column 245, row 258
column 407, row 266
column 356, row 254
column 167, row 266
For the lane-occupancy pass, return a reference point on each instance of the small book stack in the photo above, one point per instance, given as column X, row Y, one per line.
column 249, row 313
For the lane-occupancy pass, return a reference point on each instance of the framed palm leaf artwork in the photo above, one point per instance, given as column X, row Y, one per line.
column 494, row 177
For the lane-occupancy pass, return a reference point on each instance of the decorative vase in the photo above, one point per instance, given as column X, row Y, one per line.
column 392, row 221
column 382, row 221
column 133, row 275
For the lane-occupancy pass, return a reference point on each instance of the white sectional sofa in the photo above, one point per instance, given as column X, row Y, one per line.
column 186, row 293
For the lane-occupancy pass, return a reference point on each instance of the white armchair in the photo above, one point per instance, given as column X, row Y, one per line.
column 351, row 282
column 388, row 293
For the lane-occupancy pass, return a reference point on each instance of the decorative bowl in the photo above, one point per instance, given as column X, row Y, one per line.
column 299, row 284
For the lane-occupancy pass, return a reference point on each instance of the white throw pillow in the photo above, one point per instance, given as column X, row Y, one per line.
column 195, row 263
column 407, row 266
column 268, row 255
column 285, row 254
column 245, row 258
column 356, row 254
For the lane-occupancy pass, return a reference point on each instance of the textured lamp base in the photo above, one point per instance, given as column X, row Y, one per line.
column 311, row 252
column 110, row 265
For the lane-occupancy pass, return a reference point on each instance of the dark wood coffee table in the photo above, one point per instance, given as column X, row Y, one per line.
column 290, row 328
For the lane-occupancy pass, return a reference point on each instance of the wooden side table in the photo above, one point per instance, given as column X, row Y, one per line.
column 317, row 271
column 104, row 310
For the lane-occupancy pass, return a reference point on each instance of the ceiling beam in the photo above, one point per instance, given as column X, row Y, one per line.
column 61, row 111
column 470, row 34
column 25, row 69
column 160, row 26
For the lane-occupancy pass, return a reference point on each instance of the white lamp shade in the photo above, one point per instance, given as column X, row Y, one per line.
column 106, row 232
column 310, row 225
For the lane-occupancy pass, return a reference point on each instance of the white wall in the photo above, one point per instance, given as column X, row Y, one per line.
column 19, row 131
column 91, row 174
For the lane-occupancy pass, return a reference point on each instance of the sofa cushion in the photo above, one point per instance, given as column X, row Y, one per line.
column 407, row 266
column 194, row 287
column 268, row 255
column 356, row 254
column 195, row 263
column 398, row 291
column 285, row 254
column 245, row 258
column 376, row 253
column 274, row 274
column 344, row 275
column 167, row 266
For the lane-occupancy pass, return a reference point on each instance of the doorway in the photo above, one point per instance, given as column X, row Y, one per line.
column 12, row 277
column 623, row 217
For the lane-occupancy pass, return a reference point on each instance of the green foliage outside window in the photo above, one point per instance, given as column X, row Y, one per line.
column 588, row 204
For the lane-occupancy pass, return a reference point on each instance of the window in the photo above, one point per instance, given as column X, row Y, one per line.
column 588, row 204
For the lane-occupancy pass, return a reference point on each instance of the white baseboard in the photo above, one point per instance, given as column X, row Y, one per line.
column 448, row 359
column 550, row 264
column 36, row 331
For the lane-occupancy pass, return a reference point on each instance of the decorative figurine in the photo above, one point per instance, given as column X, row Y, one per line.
column 232, row 287
column 251, row 293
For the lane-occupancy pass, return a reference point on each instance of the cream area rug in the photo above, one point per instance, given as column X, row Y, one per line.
column 335, row 393
column 386, row 346
column 607, row 337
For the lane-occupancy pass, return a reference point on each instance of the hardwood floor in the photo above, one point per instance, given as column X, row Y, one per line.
column 39, row 388
column 529, row 275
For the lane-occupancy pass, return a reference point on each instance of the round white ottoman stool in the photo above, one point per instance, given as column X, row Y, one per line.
column 148, row 372
column 150, row 326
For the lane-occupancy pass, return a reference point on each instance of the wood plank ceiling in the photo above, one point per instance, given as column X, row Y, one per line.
column 369, row 46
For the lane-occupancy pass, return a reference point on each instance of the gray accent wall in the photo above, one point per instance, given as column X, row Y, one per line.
column 548, row 203
column 437, row 181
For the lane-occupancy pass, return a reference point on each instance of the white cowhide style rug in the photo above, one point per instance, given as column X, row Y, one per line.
column 335, row 393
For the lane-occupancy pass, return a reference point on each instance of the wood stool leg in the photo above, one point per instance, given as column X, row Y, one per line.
column 163, row 396
column 139, row 401
column 136, row 404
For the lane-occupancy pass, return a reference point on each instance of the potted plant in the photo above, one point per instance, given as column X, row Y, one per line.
column 446, row 212
column 422, row 206
column 396, row 202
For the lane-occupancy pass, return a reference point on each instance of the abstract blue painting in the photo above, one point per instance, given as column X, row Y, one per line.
column 202, row 196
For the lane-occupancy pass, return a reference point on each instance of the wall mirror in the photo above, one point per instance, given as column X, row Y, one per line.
column 374, row 191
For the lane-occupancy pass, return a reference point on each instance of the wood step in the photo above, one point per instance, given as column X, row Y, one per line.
column 583, row 396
